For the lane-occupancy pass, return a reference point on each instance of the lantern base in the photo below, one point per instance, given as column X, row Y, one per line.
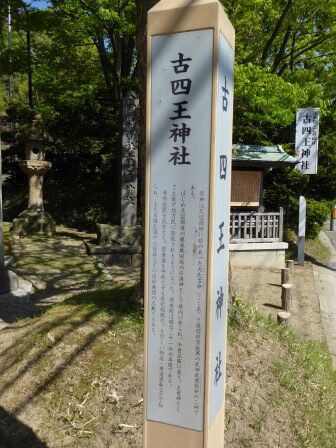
column 34, row 222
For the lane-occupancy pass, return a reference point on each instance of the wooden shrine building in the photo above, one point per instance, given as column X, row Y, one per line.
column 256, row 235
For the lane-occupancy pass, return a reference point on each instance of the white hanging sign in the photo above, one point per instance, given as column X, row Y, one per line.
column 306, row 141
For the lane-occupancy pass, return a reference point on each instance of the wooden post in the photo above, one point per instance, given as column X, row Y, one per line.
column 290, row 265
column 189, row 143
column 302, row 231
column 283, row 317
column 286, row 296
column 285, row 276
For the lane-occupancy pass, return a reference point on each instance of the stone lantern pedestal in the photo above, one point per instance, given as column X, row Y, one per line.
column 35, row 220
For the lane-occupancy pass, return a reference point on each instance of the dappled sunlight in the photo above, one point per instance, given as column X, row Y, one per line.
column 74, row 346
column 59, row 266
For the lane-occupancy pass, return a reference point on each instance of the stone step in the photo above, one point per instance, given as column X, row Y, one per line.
column 112, row 249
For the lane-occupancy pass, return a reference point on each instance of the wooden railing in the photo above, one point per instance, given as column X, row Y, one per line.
column 256, row 227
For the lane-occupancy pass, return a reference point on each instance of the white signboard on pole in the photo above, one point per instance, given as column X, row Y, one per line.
column 306, row 140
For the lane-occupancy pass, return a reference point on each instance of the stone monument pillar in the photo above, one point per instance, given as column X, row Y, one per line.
column 129, row 172
column 121, row 244
column 35, row 219
column 11, row 286
column 8, row 279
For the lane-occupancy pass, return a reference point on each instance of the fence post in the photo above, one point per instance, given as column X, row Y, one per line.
column 283, row 317
column 285, row 276
column 286, row 297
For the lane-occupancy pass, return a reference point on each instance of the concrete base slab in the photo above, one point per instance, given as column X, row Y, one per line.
column 116, row 254
column 245, row 255
column 123, row 260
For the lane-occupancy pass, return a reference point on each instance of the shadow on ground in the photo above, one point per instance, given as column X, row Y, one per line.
column 58, row 268
column 15, row 434
column 39, row 352
column 329, row 266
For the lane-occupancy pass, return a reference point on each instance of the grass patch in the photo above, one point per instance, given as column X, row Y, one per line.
column 79, row 367
column 314, row 249
column 306, row 382
column 69, row 361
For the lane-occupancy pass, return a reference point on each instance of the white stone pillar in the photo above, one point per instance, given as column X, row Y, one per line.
column 189, row 143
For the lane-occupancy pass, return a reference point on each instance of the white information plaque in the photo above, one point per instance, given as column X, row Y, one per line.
column 222, row 226
column 306, row 140
column 178, row 221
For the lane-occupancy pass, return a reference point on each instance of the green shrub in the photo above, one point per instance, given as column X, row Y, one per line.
column 317, row 214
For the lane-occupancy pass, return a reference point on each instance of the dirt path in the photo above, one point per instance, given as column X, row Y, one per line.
column 326, row 287
column 262, row 288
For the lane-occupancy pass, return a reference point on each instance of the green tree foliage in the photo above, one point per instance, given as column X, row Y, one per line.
column 285, row 60
column 81, row 111
column 84, row 62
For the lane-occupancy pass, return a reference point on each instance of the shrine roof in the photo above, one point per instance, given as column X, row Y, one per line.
column 262, row 156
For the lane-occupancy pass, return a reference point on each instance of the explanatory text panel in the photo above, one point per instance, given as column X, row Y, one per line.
column 178, row 236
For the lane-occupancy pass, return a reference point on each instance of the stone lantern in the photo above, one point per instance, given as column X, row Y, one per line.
column 35, row 220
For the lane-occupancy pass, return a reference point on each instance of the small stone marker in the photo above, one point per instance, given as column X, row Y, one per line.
column 302, row 231
column 286, row 296
column 189, row 141
column 285, row 275
column 283, row 317
column 129, row 172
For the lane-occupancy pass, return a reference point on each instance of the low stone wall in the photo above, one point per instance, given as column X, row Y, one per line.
column 270, row 255
column 119, row 245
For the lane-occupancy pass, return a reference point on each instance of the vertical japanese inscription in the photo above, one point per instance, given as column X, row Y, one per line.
column 306, row 141
column 222, row 223
column 179, row 203
column 129, row 187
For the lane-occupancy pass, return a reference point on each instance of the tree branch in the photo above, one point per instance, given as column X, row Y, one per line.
column 276, row 30
column 282, row 49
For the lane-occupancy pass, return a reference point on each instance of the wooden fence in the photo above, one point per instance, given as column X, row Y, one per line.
column 256, row 227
